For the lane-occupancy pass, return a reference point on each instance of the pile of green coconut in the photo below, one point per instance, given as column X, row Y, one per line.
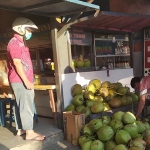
column 81, row 63
column 98, row 96
column 120, row 132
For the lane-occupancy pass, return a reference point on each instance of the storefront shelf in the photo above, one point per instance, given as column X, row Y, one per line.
column 119, row 55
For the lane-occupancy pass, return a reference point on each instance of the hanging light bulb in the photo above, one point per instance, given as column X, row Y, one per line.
column 113, row 39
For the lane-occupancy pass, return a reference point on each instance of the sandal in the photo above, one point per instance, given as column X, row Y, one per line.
column 37, row 138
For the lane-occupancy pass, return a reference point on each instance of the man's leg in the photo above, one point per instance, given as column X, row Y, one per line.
column 25, row 103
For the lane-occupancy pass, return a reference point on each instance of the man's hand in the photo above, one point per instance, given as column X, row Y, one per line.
column 141, row 105
column 29, row 85
column 19, row 68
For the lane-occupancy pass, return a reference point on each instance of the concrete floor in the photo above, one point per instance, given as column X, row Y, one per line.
column 8, row 140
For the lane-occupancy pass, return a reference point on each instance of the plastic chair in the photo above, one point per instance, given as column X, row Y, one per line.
column 3, row 111
column 10, row 117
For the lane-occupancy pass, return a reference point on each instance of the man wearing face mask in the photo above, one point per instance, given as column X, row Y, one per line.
column 21, row 78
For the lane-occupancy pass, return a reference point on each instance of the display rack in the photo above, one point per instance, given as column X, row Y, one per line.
column 111, row 54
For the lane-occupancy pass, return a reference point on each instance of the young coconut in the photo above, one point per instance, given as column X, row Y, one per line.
column 110, row 145
column 120, row 147
column 97, row 145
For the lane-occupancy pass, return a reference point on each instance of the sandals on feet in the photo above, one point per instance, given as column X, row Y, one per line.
column 37, row 138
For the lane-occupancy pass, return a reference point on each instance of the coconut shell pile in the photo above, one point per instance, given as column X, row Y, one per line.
column 120, row 132
column 97, row 97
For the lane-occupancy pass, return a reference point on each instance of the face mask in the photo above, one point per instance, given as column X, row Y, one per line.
column 28, row 36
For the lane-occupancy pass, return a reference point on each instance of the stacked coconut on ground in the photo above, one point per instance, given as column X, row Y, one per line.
column 97, row 97
column 120, row 132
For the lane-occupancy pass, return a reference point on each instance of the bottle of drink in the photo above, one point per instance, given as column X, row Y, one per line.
column 116, row 62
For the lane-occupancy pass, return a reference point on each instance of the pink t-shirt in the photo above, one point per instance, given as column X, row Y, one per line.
column 145, row 85
column 17, row 49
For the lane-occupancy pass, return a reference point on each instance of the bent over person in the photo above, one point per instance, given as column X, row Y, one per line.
column 21, row 78
column 143, row 86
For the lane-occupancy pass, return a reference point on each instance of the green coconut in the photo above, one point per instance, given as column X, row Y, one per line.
column 86, row 111
column 89, row 95
column 105, row 120
column 116, row 124
column 70, row 107
column 139, row 136
column 118, row 115
column 89, row 103
column 95, row 124
column 129, row 99
column 122, row 90
column 83, row 139
column 138, row 143
column 97, row 107
column 122, row 137
column 80, row 108
column 135, row 148
column 105, row 133
column 120, row 147
column 105, row 84
column 106, row 106
column 135, row 98
column 114, row 103
column 76, row 90
column 97, row 145
column 128, row 118
column 146, row 133
column 73, row 63
column 110, row 96
column 103, row 92
column 140, row 126
column 98, row 98
column 124, row 100
column 78, row 100
column 86, row 145
column 87, row 63
column 86, row 130
column 147, row 125
column 79, row 63
column 91, row 87
column 96, row 83
column 110, row 145
column 132, row 130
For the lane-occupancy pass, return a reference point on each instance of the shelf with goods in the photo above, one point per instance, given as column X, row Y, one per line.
column 111, row 53
column 42, row 64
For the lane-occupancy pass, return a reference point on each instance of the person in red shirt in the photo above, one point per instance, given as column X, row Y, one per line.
column 141, row 85
column 21, row 78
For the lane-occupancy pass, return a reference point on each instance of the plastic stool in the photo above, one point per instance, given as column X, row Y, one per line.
column 3, row 113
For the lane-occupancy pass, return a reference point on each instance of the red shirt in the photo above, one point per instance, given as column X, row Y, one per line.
column 17, row 49
column 145, row 85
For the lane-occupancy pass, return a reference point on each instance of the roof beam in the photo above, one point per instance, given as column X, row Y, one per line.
column 9, row 8
column 69, row 12
column 37, row 6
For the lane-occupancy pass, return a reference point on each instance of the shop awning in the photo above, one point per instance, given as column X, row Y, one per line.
column 115, row 21
column 48, row 7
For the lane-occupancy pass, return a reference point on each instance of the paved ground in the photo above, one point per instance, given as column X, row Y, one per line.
column 54, row 141
column 61, row 146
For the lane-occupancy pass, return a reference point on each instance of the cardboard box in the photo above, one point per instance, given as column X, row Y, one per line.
column 73, row 123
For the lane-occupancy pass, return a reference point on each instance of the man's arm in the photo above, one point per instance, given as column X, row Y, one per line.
column 21, row 73
column 141, row 104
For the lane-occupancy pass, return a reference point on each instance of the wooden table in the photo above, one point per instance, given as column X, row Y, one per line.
column 49, row 88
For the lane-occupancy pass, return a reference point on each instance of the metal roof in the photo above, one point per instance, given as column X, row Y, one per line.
column 48, row 7
column 115, row 21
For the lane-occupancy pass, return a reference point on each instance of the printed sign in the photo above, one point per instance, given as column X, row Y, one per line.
column 80, row 37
